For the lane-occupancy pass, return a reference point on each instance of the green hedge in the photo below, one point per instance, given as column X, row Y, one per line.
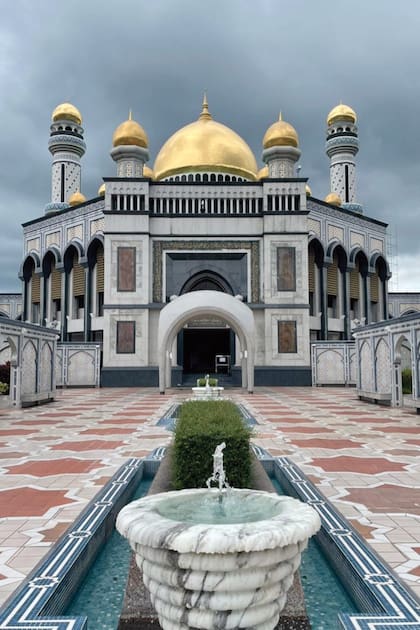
column 407, row 385
column 4, row 388
column 201, row 426
column 5, row 373
column 201, row 382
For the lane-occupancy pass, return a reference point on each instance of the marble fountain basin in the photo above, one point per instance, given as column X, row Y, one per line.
column 207, row 393
column 216, row 564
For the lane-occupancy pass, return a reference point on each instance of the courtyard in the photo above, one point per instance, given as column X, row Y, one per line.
column 55, row 458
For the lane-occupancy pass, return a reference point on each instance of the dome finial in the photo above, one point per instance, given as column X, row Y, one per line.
column 130, row 114
column 280, row 116
column 205, row 114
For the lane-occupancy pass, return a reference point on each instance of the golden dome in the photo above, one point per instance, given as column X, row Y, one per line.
column 263, row 172
column 147, row 172
column 341, row 112
column 101, row 190
column 67, row 111
column 334, row 199
column 76, row 198
column 131, row 133
column 308, row 191
column 282, row 134
column 205, row 145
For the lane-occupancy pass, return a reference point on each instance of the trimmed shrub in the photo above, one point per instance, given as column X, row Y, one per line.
column 201, row 426
column 201, row 382
column 4, row 388
column 5, row 373
column 407, row 383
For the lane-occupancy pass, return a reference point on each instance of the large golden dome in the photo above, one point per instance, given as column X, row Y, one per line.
column 282, row 134
column 67, row 111
column 341, row 112
column 205, row 145
column 130, row 133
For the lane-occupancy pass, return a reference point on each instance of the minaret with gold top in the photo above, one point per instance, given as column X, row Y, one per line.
column 281, row 149
column 130, row 148
column 342, row 146
column 67, row 146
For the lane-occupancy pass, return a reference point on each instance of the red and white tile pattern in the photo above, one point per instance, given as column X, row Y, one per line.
column 55, row 458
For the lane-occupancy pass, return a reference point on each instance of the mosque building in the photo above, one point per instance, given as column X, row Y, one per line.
column 204, row 263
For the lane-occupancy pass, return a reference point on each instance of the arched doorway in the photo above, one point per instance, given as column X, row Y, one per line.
column 203, row 338
column 204, row 305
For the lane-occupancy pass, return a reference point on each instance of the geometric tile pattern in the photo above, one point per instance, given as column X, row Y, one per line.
column 371, row 584
column 48, row 589
column 342, row 428
column 368, row 464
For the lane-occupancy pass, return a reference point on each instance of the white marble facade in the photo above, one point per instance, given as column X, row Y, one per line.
column 104, row 269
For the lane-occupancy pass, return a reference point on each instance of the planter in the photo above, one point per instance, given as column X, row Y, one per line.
column 218, row 575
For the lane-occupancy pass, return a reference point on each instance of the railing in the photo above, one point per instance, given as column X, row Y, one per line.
column 180, row 204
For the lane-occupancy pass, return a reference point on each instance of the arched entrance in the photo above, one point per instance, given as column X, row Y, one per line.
column 202, row 304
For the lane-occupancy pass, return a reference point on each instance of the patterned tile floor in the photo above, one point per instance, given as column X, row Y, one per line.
column 54, row 459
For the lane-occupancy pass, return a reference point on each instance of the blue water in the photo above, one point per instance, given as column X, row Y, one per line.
column 325, row 596
column 101, row 594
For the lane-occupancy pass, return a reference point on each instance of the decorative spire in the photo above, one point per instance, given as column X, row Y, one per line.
column 205, row 114
column 130, row 114
column 280, row 116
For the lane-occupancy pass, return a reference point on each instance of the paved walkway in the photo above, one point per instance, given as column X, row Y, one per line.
column 54, row 459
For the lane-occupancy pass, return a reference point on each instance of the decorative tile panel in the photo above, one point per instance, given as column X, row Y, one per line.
column 159, row 247
column 52, row 239
column 377, row 244
column 33, row 244
column 356, row 238
column 76, row 231
column 335, row 232
column 97, row 225
column 314, row 226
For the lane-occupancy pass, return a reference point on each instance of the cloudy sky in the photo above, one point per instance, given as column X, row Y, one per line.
column 254, row 57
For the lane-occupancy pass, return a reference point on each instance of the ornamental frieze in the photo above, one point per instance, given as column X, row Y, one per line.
column 160, row 246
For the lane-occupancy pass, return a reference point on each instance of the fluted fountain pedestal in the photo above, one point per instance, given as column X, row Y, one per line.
column 218, row 575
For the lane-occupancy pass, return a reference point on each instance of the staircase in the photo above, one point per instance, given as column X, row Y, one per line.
column 190, row 380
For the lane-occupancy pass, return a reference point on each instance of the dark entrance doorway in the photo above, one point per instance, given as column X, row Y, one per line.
column 201, row 346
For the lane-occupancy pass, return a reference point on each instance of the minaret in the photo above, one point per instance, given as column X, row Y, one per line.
column 342, row 146
column 281, row 149
column 67, row 146
column 130, row 148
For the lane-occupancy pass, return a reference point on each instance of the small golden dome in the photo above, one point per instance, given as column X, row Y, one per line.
column 333, row 199
column 308, row 191
column 263, row 172
column 341, row 112
column 205, row 145
column 67, row 111
column 147, row 172
column 101, row 190
column 76, row 198
column 131, row 133
column 282, row 134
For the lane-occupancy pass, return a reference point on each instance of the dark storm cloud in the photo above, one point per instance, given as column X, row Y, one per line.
column 254, row 58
